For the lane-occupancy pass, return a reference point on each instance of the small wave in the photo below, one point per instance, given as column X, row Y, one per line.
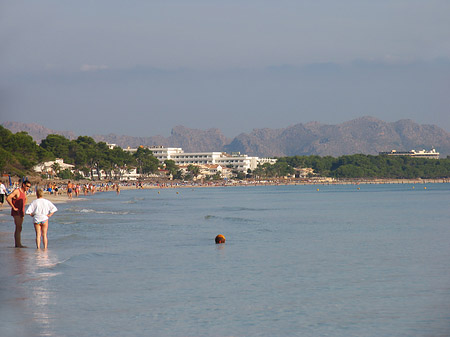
column 46, row 263
column 47, row 275
column 251, row 209
column 85, row 210
column 238, row 219
column 88, row 257
column 68, row 222
column 264, row 230
column 228, row 218
column 113, row 212
column 133, row 200
column 55, row 266
column 69, row 237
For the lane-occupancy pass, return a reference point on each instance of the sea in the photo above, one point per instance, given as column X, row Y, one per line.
column 311, row 260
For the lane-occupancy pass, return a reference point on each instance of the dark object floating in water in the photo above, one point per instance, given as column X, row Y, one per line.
column 220, row 239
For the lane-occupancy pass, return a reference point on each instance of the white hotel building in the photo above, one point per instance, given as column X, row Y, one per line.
column 239, row 162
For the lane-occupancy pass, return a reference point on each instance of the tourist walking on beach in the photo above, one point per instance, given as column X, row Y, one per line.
column 41, row 209
column 17, row 200
column 2, row 193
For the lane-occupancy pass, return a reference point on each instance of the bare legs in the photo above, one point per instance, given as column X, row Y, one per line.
column 18, row 221
column 41, row 230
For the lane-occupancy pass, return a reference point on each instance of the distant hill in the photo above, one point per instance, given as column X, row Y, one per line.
column 365, row 135
column 191, row 140
column 38, row 132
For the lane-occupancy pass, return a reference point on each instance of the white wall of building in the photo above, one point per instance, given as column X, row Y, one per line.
column 239, row 162
column 46, row 167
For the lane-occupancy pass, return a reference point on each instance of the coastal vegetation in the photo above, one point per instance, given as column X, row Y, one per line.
column 369, row 166
column 19, row 153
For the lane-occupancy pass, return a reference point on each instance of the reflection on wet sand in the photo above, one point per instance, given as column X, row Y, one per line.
column 41, row 293
column 14, row 296
column 30, row 293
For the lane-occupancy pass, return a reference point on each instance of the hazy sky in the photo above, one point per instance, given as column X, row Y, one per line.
column 142, row 67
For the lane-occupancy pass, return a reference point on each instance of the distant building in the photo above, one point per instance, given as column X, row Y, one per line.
column 416, row 154
column 303, row 172
column 129, row 149
column 236, row 160
column 164, row 153
column 120, row 174
column 49, row 167
column 111, row 146
column 208, row 170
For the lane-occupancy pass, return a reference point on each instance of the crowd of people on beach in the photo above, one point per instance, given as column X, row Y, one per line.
column 42, row 209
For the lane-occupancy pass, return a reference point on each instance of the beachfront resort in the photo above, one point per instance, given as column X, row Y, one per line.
column 209, row 163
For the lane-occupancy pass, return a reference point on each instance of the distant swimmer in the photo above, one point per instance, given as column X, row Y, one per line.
column 220, row 239
column 41, row 209
column 117, row 189
column 17, row 200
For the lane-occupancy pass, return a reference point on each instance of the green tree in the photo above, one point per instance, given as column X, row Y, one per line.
column 146, row 162
column 65, row 174
column 58, row 145
column 171, row 166
column 19, row 152
column 194, row 170
column 55, row 168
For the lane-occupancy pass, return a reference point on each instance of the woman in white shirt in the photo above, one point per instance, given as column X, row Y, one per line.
column 41, row 209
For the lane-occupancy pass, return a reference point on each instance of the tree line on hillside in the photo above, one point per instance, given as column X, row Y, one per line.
column 357, row 166
column 19, row 153
column 370, row 166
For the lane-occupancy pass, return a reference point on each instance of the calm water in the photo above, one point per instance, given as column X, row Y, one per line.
column 297, row 262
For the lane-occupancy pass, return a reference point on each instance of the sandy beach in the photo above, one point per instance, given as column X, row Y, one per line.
column 56, row 199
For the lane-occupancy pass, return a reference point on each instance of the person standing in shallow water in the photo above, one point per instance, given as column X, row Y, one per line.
column 41, row 209
column 70, row 189
column 2, row 193
column 17, row 200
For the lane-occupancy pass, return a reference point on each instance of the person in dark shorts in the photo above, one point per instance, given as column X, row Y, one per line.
column 17, row 200
column 70, row 188
column 2, row 193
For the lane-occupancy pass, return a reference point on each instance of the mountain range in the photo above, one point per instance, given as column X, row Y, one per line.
column 366, row 135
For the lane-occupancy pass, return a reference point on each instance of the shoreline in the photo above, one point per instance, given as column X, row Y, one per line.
column 286, row 182
column 63, row 198
column 55, row 199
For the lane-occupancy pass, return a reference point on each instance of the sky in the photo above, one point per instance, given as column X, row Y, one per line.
column 141, row 67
